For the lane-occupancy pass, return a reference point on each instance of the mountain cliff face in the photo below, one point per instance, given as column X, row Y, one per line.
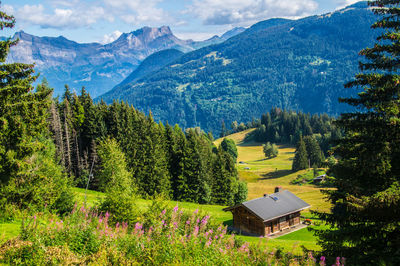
column 97, row 67
column 294, row 64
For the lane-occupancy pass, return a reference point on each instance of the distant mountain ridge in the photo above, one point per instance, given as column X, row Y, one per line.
column 293, row 64
column 93, row 65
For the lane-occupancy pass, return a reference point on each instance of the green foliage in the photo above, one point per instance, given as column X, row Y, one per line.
column 22, row 112
column 314, row 153
column 300, row 160
column 364, row 221
column 40, row 184
column 29, row 175
column 269, row 150
column 229, row 146
column 288, row 126
column 162, row 159
column 241, row 195
column 117, row 182
column 176, row 237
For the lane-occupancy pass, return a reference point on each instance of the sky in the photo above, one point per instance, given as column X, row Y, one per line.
column 103, row 21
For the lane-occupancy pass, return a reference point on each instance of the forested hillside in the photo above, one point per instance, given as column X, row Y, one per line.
column 292, row 64
column 151, row 64
column 161, row 158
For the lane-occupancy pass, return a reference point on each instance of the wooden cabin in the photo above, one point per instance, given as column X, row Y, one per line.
column 268, row 214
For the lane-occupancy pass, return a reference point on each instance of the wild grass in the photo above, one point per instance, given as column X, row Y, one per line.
column 162, row 237
column 9, row 230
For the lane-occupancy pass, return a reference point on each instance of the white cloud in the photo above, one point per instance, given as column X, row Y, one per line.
column 138, row 12
column 108, row 38
column 8, row 9
column 343, row 3
column 59, row 18
column 222, row 12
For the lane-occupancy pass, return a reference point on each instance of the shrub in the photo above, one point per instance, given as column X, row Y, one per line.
column 174, row 237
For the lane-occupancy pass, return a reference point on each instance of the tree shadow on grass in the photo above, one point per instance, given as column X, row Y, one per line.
column 276, row 174
column 228, row 222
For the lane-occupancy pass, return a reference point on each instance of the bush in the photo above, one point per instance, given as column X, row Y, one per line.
column 174, row 237
column 40, row 184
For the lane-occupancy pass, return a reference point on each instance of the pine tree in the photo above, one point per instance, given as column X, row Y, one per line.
column 300, row 160
column 225, row 184
column 229, row 146
column 314, row 153
column 21, row 117
column 116, row 181
column 365, row 217
column 29, row 176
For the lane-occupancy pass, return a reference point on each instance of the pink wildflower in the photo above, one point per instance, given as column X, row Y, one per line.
column 196, row 211
column 163, row 212
column 188, row 222
column 196, row 231
column 322, row 261
column 176, row 208
column 205, row 220
column 138, row 226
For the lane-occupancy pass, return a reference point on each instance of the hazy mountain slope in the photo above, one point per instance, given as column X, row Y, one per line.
column 97, row 67
column 152, row 63
column 299, row 64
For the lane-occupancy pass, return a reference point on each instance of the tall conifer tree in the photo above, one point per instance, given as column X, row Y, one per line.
column 300, row 160
column 365, row 217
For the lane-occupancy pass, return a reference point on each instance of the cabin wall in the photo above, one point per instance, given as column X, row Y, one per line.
column 281, row 223
column 245, row 221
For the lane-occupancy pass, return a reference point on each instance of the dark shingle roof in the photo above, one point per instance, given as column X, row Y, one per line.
column 274, row 205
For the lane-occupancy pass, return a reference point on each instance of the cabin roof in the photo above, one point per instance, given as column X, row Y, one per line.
column 274, row 205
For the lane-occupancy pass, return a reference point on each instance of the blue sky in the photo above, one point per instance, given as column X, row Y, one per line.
column 104, row 20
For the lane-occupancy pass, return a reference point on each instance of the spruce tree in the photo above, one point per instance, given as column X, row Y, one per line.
column 300, row 160
column 314, row 153
column 116, row 181
column 29, row 175
column 21, row 111
column 229, row 146
column 365, row 218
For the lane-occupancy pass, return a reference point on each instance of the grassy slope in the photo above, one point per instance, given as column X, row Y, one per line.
column 265, row 174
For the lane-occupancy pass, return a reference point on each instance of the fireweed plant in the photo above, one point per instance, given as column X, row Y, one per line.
column 177, row 237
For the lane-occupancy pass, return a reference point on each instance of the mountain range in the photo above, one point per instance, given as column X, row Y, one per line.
column 96, row 66
column 293, row 64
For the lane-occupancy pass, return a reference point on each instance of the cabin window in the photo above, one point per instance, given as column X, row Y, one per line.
column 282, row 219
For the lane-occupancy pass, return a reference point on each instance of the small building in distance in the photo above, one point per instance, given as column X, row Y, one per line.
column 319, row 179
column 268, row 214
